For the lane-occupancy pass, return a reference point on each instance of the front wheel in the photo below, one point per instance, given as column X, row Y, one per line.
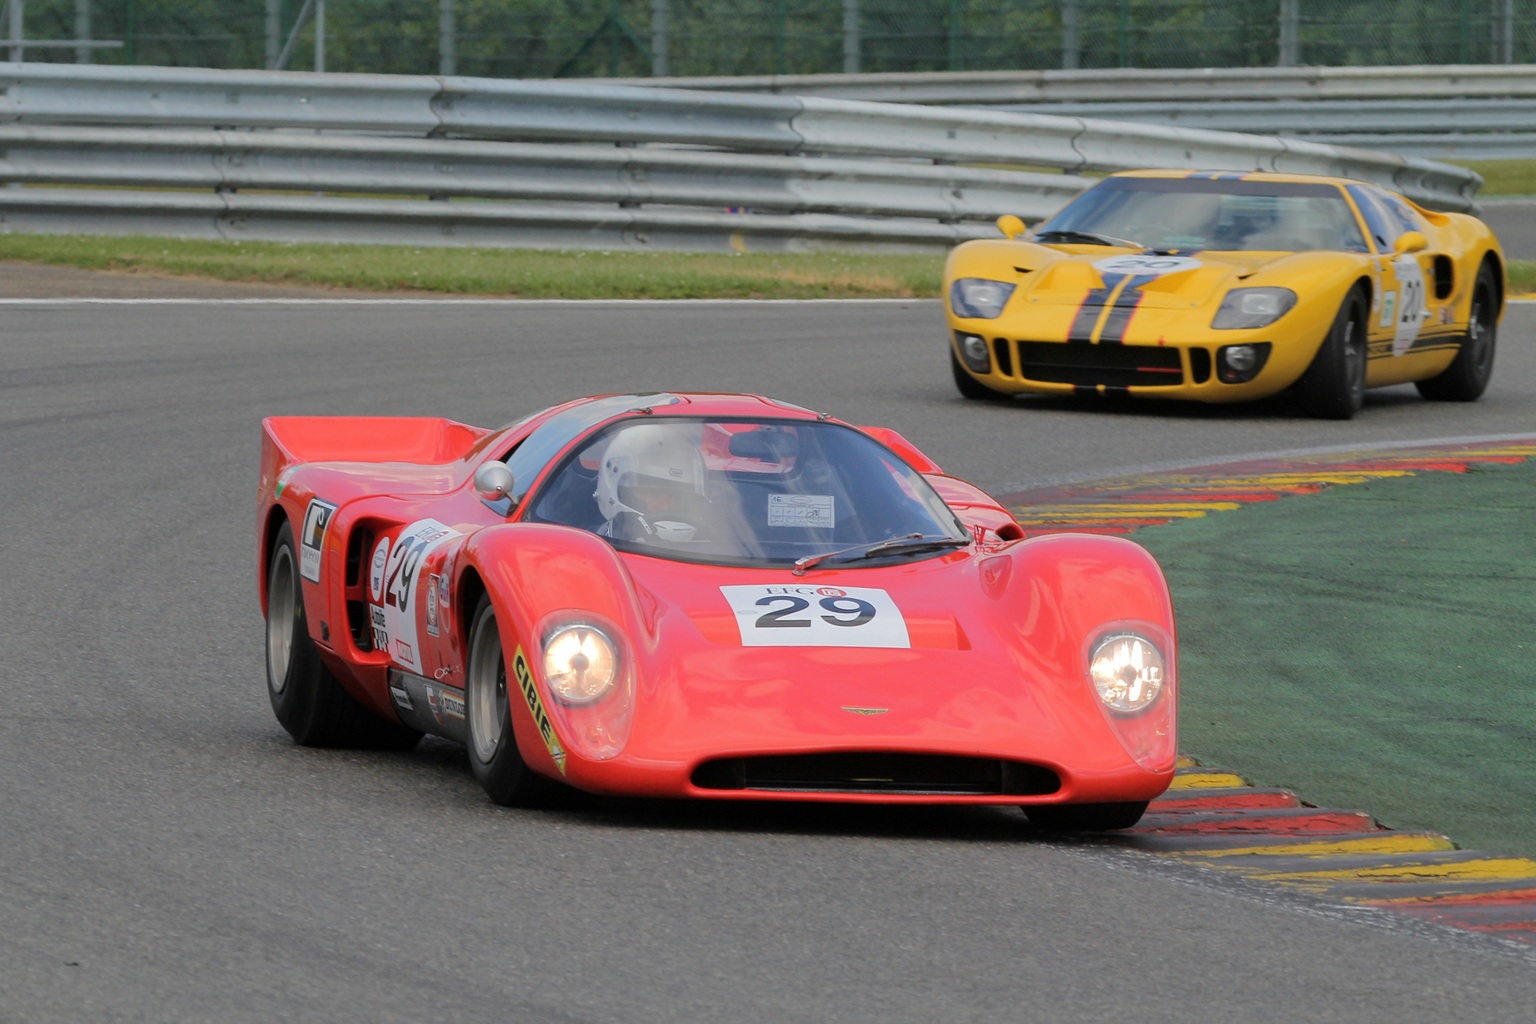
column 1333, row 388
column 1466, row 378
column 1086, row 817
column 307, row 700
column 970, row 387
column 493, row 755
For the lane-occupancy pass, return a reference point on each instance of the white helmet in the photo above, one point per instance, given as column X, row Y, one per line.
column 650, row 484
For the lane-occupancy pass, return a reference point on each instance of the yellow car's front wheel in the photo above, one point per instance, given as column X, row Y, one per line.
column 1333, row 388
column 969, row 386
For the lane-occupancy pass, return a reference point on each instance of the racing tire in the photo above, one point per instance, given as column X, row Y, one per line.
column 1466, row 378
column 1085, row 817
column 1333, row 387
column 969, row 387
column 307, row 699
column 493, row 755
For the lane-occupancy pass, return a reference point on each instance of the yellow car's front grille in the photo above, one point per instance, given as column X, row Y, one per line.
column 1121, row 366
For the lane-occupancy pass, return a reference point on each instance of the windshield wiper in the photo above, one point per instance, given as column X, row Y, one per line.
column 910, row 544
column 1089, row 237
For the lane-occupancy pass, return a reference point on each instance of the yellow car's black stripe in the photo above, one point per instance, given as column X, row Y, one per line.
column 1087, row 320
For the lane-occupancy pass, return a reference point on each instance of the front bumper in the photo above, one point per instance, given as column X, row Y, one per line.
column 1189, row 370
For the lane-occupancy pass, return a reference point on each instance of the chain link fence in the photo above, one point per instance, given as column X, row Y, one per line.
column 637, row 38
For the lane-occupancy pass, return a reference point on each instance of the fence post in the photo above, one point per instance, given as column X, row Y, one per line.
column 1503, row 32
column 82, row 31
column 851, row 37
column 319, row 35
column 447, row 38
column 18, row 52
column 1071, row 41
column 1290, row 34
column 659, row 54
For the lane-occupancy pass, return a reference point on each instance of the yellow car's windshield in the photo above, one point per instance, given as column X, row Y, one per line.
column 1191, row 214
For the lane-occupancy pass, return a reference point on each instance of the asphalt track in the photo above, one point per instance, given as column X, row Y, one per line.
column 169, row 855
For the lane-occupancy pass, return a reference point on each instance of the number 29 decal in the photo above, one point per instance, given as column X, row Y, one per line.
column 810, row 616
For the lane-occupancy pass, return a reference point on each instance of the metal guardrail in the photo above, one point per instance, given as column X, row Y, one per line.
column 579, row 164
column 1465, row 112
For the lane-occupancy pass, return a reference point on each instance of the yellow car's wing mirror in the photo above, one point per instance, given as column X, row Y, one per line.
column 1410, row 241
column 1010, row 226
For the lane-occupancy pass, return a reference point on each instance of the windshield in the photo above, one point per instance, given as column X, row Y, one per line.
column 1185, row 214
column 746, row 492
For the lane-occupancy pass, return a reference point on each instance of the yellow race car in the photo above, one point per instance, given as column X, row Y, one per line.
column 1222, row 286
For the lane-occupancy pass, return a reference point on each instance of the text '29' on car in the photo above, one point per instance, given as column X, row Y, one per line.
column 706, row 596
column 1228, row 287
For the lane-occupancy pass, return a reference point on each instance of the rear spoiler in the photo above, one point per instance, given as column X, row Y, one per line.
column 418, row 439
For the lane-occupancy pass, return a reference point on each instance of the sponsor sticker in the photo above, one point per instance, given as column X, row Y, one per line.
column 400, row 585
column 809, row 510
column 788, row 615
column 317, row 519
column 530, row 690
column 432, row 603
column 445, row 702
column 376, row 570
column 401, row 698
column 380, row 631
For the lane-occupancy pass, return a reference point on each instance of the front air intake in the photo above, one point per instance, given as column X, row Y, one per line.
column 876, row 773
column 1111, row 365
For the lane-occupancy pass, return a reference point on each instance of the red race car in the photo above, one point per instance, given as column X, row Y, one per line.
column 699, row 595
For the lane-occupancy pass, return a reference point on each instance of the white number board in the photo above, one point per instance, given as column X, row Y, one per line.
column 805, row 615
column 1145, row 265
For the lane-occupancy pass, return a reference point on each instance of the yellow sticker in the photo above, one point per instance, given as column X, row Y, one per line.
column 536, row 706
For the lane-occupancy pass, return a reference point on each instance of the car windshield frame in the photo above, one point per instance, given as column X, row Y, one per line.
column 882, row 500
column 1324, row 219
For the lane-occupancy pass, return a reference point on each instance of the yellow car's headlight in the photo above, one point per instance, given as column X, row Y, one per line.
column 580, row 663
column 1252, row 307
column 978, row 298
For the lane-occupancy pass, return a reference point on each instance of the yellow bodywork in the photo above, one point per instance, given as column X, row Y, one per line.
column 1061, row 298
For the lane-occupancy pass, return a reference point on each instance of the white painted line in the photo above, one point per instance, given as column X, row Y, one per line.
column 451, row 302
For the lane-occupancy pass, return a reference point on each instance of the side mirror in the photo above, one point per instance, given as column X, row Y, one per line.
column 493, row 481
column 1010, row 226
column 1409, row 241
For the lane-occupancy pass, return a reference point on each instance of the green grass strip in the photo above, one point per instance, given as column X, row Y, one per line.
column 1370, row 647
column 524, row 273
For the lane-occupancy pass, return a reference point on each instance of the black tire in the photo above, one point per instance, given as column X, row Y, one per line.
column 970, row 387
column 1466, row 378
column 493, row 755
column 1085, row 817
column 307, row 700
column 1333, row 388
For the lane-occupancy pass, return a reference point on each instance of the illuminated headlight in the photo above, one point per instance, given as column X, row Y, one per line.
column 977, row 298
column 580, row 664
column 1127, row 671
column 1252, row 307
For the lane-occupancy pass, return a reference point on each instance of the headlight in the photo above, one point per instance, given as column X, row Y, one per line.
column 1252, row 307
column 978, row 298
column 580, row 663
column 1237, row 364
column 1127, row 671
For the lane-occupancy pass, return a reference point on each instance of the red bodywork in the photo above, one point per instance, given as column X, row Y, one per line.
column 1000, row 632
